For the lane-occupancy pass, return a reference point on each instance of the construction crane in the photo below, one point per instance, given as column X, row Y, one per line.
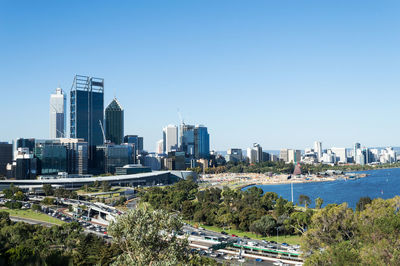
column 180, row 117
column 102, row 130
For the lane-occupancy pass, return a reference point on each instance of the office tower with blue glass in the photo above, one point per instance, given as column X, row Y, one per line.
column 87, row 112
column 201, row 142
column 114, row 122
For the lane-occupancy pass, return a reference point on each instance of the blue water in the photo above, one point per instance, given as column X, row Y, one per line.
column 384, row 183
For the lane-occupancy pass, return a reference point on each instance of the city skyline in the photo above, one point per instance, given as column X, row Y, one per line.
column 269, row 73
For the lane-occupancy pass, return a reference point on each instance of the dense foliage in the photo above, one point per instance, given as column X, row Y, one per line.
column 26, row 244
column 249, row 210
column 338, row 235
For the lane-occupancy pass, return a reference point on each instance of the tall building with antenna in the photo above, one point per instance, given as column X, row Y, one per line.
column 87, row 111
column 58, row 112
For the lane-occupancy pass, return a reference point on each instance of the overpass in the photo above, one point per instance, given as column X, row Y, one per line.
column 135, row 180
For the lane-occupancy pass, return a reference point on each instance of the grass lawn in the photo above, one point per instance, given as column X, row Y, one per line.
column 29, row 214
column 293, row 240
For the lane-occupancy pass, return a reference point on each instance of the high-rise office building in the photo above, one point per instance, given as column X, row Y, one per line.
column 137, row 141
column 6, row 157
column 58, row 114
column 170, row 138
column 201, row 142
column 187, row 139
column 252, row 155
column 87, row 112
column 52, row 157
column 114, row 122
column 318, row 149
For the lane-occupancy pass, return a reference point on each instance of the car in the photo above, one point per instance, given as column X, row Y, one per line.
column 285, row 244
column 234, row 235
column 224, row 233
column 201, row 228
column 246, row 237
column 264, row 241
column 273, row 242
column 259, row 260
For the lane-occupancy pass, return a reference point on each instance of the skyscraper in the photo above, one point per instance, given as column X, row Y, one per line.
column 201, row 142
column 170, row 138
column 87, row 111
column 160, row 146
column 114, row 122
column 6, row 157
column 58, row 111
column 318, row 149
column 187, row 140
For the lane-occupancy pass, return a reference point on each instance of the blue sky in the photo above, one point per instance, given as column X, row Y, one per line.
column 280, row 73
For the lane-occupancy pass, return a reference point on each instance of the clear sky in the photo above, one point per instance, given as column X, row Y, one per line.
column 280, row 73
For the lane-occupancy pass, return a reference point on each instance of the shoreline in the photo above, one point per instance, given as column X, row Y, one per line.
column 244, row 180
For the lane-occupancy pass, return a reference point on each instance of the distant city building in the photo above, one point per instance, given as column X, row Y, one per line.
column 160, row 146
column 24, row 165
column 170, row 138
column 114, row 122
column 175, row 161
column 58, row 114
column 201, row 142
column 154, row 161
column 340, row 154
column 87, row 112
column 284, row 155
column 137, row 141
column 187, row 139
column 355, row 152
column 77, row 155
column 255, row 154
column 251, row 155
column 52, row 157
column 6, row 157
column 111, row 156
column 294, row 156
column 26, row 143
column 234, row 155
column 318, row 149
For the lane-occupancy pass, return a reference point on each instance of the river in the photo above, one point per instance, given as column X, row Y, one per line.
column 382, row 183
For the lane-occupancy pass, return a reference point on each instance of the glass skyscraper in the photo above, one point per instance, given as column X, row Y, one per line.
column 201, row 142
column 58, row 111
column 87, row 111
column 114, row 122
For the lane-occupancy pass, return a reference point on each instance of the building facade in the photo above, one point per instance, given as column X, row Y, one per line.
column 6, row 157
column 87, row 112
column 170, row 138
column 58, row 114
column 201, row 142
column 114, row 122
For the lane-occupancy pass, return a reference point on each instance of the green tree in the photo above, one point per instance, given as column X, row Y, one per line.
column 148, row 238
column 48, row 189
column 263, row 226
column 318, row 203
column 36, row 207
column 48, row 201
column 19, row 195
column 304, row 199
column 362, row 203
